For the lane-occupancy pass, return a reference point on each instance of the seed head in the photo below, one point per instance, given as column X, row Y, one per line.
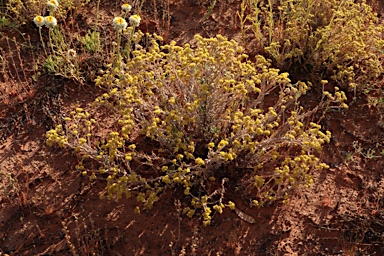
column 71, row 54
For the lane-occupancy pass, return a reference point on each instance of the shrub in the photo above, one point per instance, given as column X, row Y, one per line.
column 332, row 39
column 203, row 119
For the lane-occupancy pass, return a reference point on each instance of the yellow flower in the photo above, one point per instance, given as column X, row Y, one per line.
column 218, row 208
column 135, row 20
column 206, row 223
column 39, row 21
column 231, row 205
column 166, row 179
column 172, row 100
column 119, row 23
column 199, row 161
column 50, row 21
column 126, row 7
column 222, row 144
column 53, row 4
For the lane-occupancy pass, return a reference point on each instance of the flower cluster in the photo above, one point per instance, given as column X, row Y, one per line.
column 48, row 21
column 120, row 23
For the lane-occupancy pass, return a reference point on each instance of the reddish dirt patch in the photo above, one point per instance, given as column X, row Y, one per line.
column 48, row 208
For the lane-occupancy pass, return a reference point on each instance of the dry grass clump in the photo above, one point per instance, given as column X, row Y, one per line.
column 211, row 124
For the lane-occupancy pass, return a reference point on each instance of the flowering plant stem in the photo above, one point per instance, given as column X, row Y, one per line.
column 50, row 40
column 97, row 14
column 129, row 44
column 42, row 42
column 118, row 58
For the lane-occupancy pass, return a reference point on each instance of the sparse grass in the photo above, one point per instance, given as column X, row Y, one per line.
column 86, row 238
column 14, row 82
column 370, row 153
column 15, row 192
